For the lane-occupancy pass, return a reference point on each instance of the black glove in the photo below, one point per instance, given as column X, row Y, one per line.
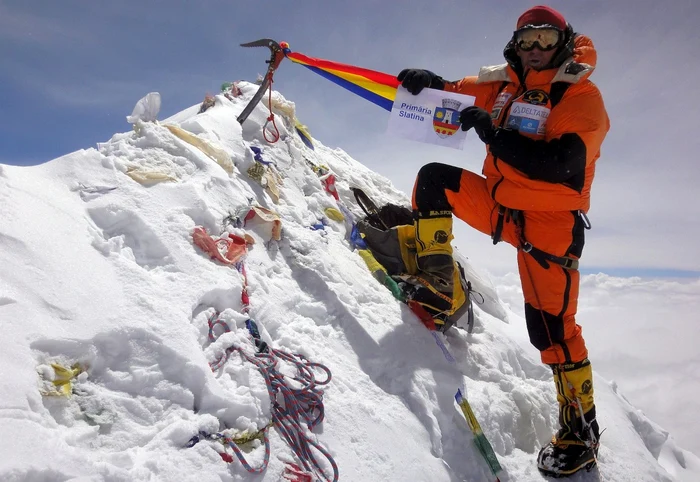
column 480, row 120
column 415, row 80
column 557, row 160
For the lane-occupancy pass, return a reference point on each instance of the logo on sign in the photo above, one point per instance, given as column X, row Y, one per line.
column 446, row 118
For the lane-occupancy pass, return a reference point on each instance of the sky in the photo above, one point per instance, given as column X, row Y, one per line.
column 72, row 70
column 101, row 275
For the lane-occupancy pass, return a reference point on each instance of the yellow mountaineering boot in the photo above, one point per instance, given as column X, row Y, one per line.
column 575, row 445
column 436, row 269
column 434, row 251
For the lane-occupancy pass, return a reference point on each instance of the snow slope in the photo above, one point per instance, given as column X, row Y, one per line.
column 101, row 270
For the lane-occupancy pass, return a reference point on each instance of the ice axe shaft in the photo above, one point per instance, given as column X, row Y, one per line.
column 276, row 56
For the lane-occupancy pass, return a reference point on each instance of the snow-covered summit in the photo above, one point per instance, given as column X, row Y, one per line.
column 98, row 270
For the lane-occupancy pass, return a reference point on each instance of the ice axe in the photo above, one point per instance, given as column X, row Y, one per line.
column 276, row 56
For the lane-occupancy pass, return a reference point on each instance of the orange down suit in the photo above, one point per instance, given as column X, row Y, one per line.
column 538, row 174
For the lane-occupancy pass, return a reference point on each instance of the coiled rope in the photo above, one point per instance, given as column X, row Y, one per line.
column 297, row 405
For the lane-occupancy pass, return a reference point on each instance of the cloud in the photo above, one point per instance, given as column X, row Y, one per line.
column 638, row 330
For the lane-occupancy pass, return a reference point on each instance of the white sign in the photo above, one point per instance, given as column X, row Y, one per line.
column 431, row 117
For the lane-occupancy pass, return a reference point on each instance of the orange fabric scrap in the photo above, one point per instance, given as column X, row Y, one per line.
column 228, row 250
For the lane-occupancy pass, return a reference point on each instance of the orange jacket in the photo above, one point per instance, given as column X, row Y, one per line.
column 554, row 169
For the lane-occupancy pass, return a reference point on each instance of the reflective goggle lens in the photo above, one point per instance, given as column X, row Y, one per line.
column 543, row 38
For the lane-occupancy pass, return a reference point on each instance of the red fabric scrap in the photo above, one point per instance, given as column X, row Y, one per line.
column 329, row 185
column 234, row 246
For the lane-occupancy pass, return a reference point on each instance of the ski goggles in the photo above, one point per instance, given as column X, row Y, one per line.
column 544, row 38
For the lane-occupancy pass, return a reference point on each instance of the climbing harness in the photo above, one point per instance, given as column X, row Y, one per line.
column 542, row 257
column 276, row 56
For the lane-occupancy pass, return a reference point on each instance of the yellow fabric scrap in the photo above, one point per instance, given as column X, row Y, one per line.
column 268, row 178
column 334, row 214
column 246, row 437
column 63, row 378
column 371, row 262
column 304, row 133
column 256, row 172
column 219, row 155
column 145, row 177
column 273, row 181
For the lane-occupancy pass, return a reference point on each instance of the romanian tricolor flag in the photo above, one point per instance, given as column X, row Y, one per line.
column 376, row 87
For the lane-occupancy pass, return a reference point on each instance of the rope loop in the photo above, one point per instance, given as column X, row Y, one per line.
column 271, row 118
column 295, row 411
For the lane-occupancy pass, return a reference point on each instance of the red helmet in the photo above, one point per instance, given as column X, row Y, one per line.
column 542, row 15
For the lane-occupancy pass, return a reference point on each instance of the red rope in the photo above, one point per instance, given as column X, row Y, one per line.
column 271, row 118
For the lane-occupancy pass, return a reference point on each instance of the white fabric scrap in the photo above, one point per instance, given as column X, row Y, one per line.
column 146, row 109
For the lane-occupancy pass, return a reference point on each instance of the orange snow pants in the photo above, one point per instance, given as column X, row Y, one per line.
column 551, row 293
